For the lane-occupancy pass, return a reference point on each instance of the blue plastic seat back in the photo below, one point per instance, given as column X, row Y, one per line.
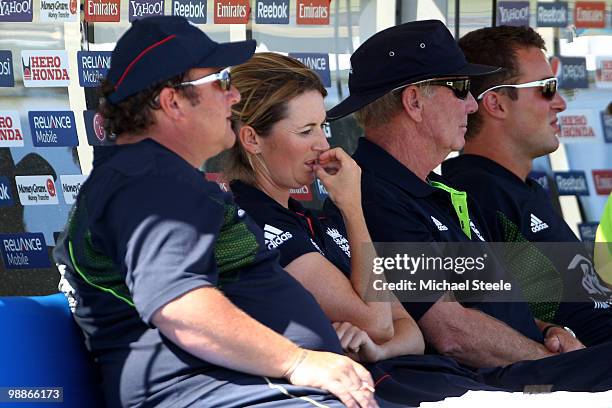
column 41, row 346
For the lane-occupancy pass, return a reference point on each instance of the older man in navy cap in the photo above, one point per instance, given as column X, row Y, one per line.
column 179, row 300
column 410, row 91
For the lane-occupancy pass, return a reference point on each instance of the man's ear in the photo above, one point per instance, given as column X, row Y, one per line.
column 249, row 139
column 170, row 103
column 494, row 104
column 412, row 101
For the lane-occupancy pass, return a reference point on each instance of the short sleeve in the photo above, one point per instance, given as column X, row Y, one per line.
column 166, row 234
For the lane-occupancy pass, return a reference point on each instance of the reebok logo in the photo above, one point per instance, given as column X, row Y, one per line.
column 275, row 237
column 537, row 224
column 441, row 227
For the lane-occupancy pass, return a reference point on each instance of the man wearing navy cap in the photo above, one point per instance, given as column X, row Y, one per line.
column 410, row 90
column 179, row 300
column 517, row 122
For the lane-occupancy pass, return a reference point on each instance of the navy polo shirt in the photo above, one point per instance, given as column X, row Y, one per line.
column 294, row 231
column 517, row 210
column 400, row 207
column 147, row 228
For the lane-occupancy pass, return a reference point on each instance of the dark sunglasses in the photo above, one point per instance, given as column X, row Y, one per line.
column 459, row 86
column 548, row 85
column 223, row 77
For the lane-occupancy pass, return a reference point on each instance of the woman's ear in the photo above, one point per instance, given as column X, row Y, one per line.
column 249, row 139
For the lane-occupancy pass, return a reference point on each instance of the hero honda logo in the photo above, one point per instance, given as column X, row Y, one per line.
column 275, row 237
column 145, row 8
column 10, row 129
column 36, row 190
column 45, row 68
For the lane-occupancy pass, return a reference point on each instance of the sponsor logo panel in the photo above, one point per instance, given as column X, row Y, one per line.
column 312, row 12
column 272, row 12
column 301, row 194
column 11, row 134
column 6, row 192
column 541, row 178
column 36, row 190
column 7, row 76
column 219, row 179
column 24, row 251
column 102, row 10
column 45, row 68
column 571, row 71
column 71, row 185
column 513, row 13
column 323, row 194
column 145, row 8
column 590, row 14
column 579, row 125
column 603, row 73
column 552, row 14
column 232, row 11
column 58, row 10
column 16, row 11
column 94, row 127
column 319, row 63
column 571, row 183
column 602, row 179
column 93, row 66
column 587, row 231
column 53, row 128
column 192, row 10
column 606, row 124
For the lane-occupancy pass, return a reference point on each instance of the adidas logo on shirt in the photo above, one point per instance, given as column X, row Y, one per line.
column 441, row 227
column 537, row 224
column 275, row 237
column 473, row 227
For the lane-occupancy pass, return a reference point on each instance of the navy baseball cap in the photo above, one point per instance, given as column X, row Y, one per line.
column 402, row 55
column 157, row 48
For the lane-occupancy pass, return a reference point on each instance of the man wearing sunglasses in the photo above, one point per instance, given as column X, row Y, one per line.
column 179, row 300
column 410, row 91
column 515, row 124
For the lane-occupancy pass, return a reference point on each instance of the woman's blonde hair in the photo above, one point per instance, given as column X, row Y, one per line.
column 267, row 82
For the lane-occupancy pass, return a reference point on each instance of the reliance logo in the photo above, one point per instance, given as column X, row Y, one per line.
column 24, row 251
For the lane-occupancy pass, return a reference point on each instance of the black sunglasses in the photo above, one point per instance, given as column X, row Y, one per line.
column 548, row 85
column 459, row 86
